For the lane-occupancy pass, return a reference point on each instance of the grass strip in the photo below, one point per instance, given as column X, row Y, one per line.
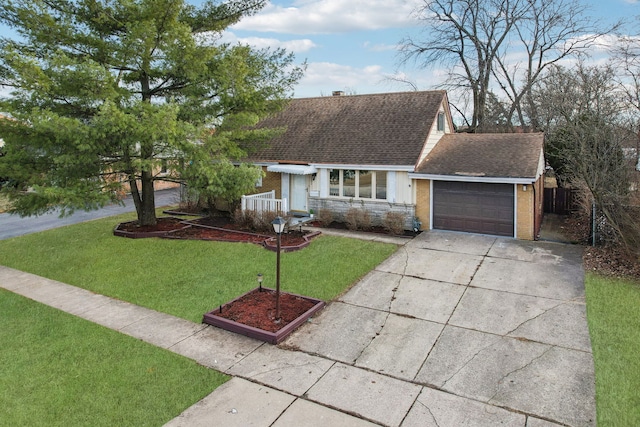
column 186, row 278
column 613, row 313
column 60, row 370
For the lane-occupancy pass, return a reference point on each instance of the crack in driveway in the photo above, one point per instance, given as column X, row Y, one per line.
column 544, row 311
column 508, row 374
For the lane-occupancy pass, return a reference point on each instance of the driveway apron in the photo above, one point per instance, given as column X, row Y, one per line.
column 457, row 328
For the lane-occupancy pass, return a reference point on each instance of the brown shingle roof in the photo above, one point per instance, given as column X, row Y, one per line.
column 507, row 155
column 379, row 129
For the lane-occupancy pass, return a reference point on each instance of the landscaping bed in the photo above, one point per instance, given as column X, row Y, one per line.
column 213, row 228
column 254, row 314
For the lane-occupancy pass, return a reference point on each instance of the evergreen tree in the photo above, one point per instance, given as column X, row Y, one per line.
column 108, row 91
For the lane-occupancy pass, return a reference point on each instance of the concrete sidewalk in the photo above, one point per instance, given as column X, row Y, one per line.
column 452, row 330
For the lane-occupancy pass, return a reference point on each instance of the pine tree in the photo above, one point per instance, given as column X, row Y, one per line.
column 107, row 91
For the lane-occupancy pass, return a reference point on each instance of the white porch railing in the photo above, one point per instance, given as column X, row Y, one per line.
column 264, row 202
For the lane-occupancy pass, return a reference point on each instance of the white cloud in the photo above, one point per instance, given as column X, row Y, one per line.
column 331, row 16
column 321, row 78
column 295, row 46
column 380, row 47
column 324, row 77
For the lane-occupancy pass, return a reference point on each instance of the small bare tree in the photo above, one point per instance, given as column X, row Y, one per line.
column 588, row 127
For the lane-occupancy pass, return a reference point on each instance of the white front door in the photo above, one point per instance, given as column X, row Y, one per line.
column 298, row 200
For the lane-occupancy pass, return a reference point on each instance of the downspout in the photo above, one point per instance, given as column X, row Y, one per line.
column 537, row 221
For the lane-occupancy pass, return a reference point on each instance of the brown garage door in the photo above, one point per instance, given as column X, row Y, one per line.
column 473, row 207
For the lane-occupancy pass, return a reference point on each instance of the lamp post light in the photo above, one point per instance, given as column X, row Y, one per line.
column 278, row 227
column 260, row 277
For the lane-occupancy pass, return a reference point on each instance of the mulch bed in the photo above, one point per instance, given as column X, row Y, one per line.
column 163, row 224
column 214, row 228
column 258, row 309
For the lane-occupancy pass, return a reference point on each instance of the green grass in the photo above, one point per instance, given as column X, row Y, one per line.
column 181, row 277
column 60, row 370
column 613, row 312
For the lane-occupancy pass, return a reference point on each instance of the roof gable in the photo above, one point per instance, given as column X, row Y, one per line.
column 378, row 129
column 503, row 155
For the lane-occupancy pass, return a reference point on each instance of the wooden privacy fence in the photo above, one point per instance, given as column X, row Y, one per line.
column 560, row 201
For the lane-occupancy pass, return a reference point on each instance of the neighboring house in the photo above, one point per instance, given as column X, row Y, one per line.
column 397, row 152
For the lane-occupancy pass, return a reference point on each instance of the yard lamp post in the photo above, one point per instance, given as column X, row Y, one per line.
column 260, row 277
column 278, row 227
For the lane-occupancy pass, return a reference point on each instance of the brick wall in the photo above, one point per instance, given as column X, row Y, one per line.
column 423, row 202
column 270, row 181
column 525, row 214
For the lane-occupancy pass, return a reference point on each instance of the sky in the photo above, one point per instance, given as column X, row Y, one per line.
column 352, row 45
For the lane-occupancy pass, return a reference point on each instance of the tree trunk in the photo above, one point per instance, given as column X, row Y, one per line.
column 144, row 200
column 147, row 210
column 147, row 215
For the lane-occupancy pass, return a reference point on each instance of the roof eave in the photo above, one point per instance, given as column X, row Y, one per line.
column 473, row 178
column 397, row 168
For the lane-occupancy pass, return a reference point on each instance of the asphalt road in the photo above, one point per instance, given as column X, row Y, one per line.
column 13, row 225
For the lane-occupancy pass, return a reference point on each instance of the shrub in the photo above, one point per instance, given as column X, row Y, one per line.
column 190, row 201
column 325, row 216
column 351, row 219
column 394, row 222
column 357, row 219
column 263, row 221
column 364, row 220
column 245, row 219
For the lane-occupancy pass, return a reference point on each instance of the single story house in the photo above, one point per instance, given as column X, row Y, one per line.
column 398, row 152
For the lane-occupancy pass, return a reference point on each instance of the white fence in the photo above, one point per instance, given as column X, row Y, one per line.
column 264, row 202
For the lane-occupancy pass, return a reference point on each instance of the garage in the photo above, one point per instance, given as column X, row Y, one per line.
column 474, row 207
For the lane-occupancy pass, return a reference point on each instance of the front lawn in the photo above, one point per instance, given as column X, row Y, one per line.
column 60, row 370
column 181, row 277
column 613, row 312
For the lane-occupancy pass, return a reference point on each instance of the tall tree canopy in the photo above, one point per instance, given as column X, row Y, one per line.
column 497, row 49
column 106, row 91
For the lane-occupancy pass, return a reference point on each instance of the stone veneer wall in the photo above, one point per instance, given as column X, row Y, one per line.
column 376, row 209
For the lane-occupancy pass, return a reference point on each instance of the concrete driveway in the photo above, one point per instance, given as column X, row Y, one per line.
column 460, row 329
column 452, row 330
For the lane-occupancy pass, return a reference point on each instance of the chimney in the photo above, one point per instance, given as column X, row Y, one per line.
column 338, row 93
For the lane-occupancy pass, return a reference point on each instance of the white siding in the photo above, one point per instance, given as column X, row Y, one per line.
column 435, row 134
column 404, row 193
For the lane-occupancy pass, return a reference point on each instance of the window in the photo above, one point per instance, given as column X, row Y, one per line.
column 365, row 184
column 360, row 184
column 381, row 185
column 334, row 182
column 441, row 122
column 349, row 183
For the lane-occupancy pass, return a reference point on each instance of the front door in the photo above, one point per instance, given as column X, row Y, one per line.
column 298, row 193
